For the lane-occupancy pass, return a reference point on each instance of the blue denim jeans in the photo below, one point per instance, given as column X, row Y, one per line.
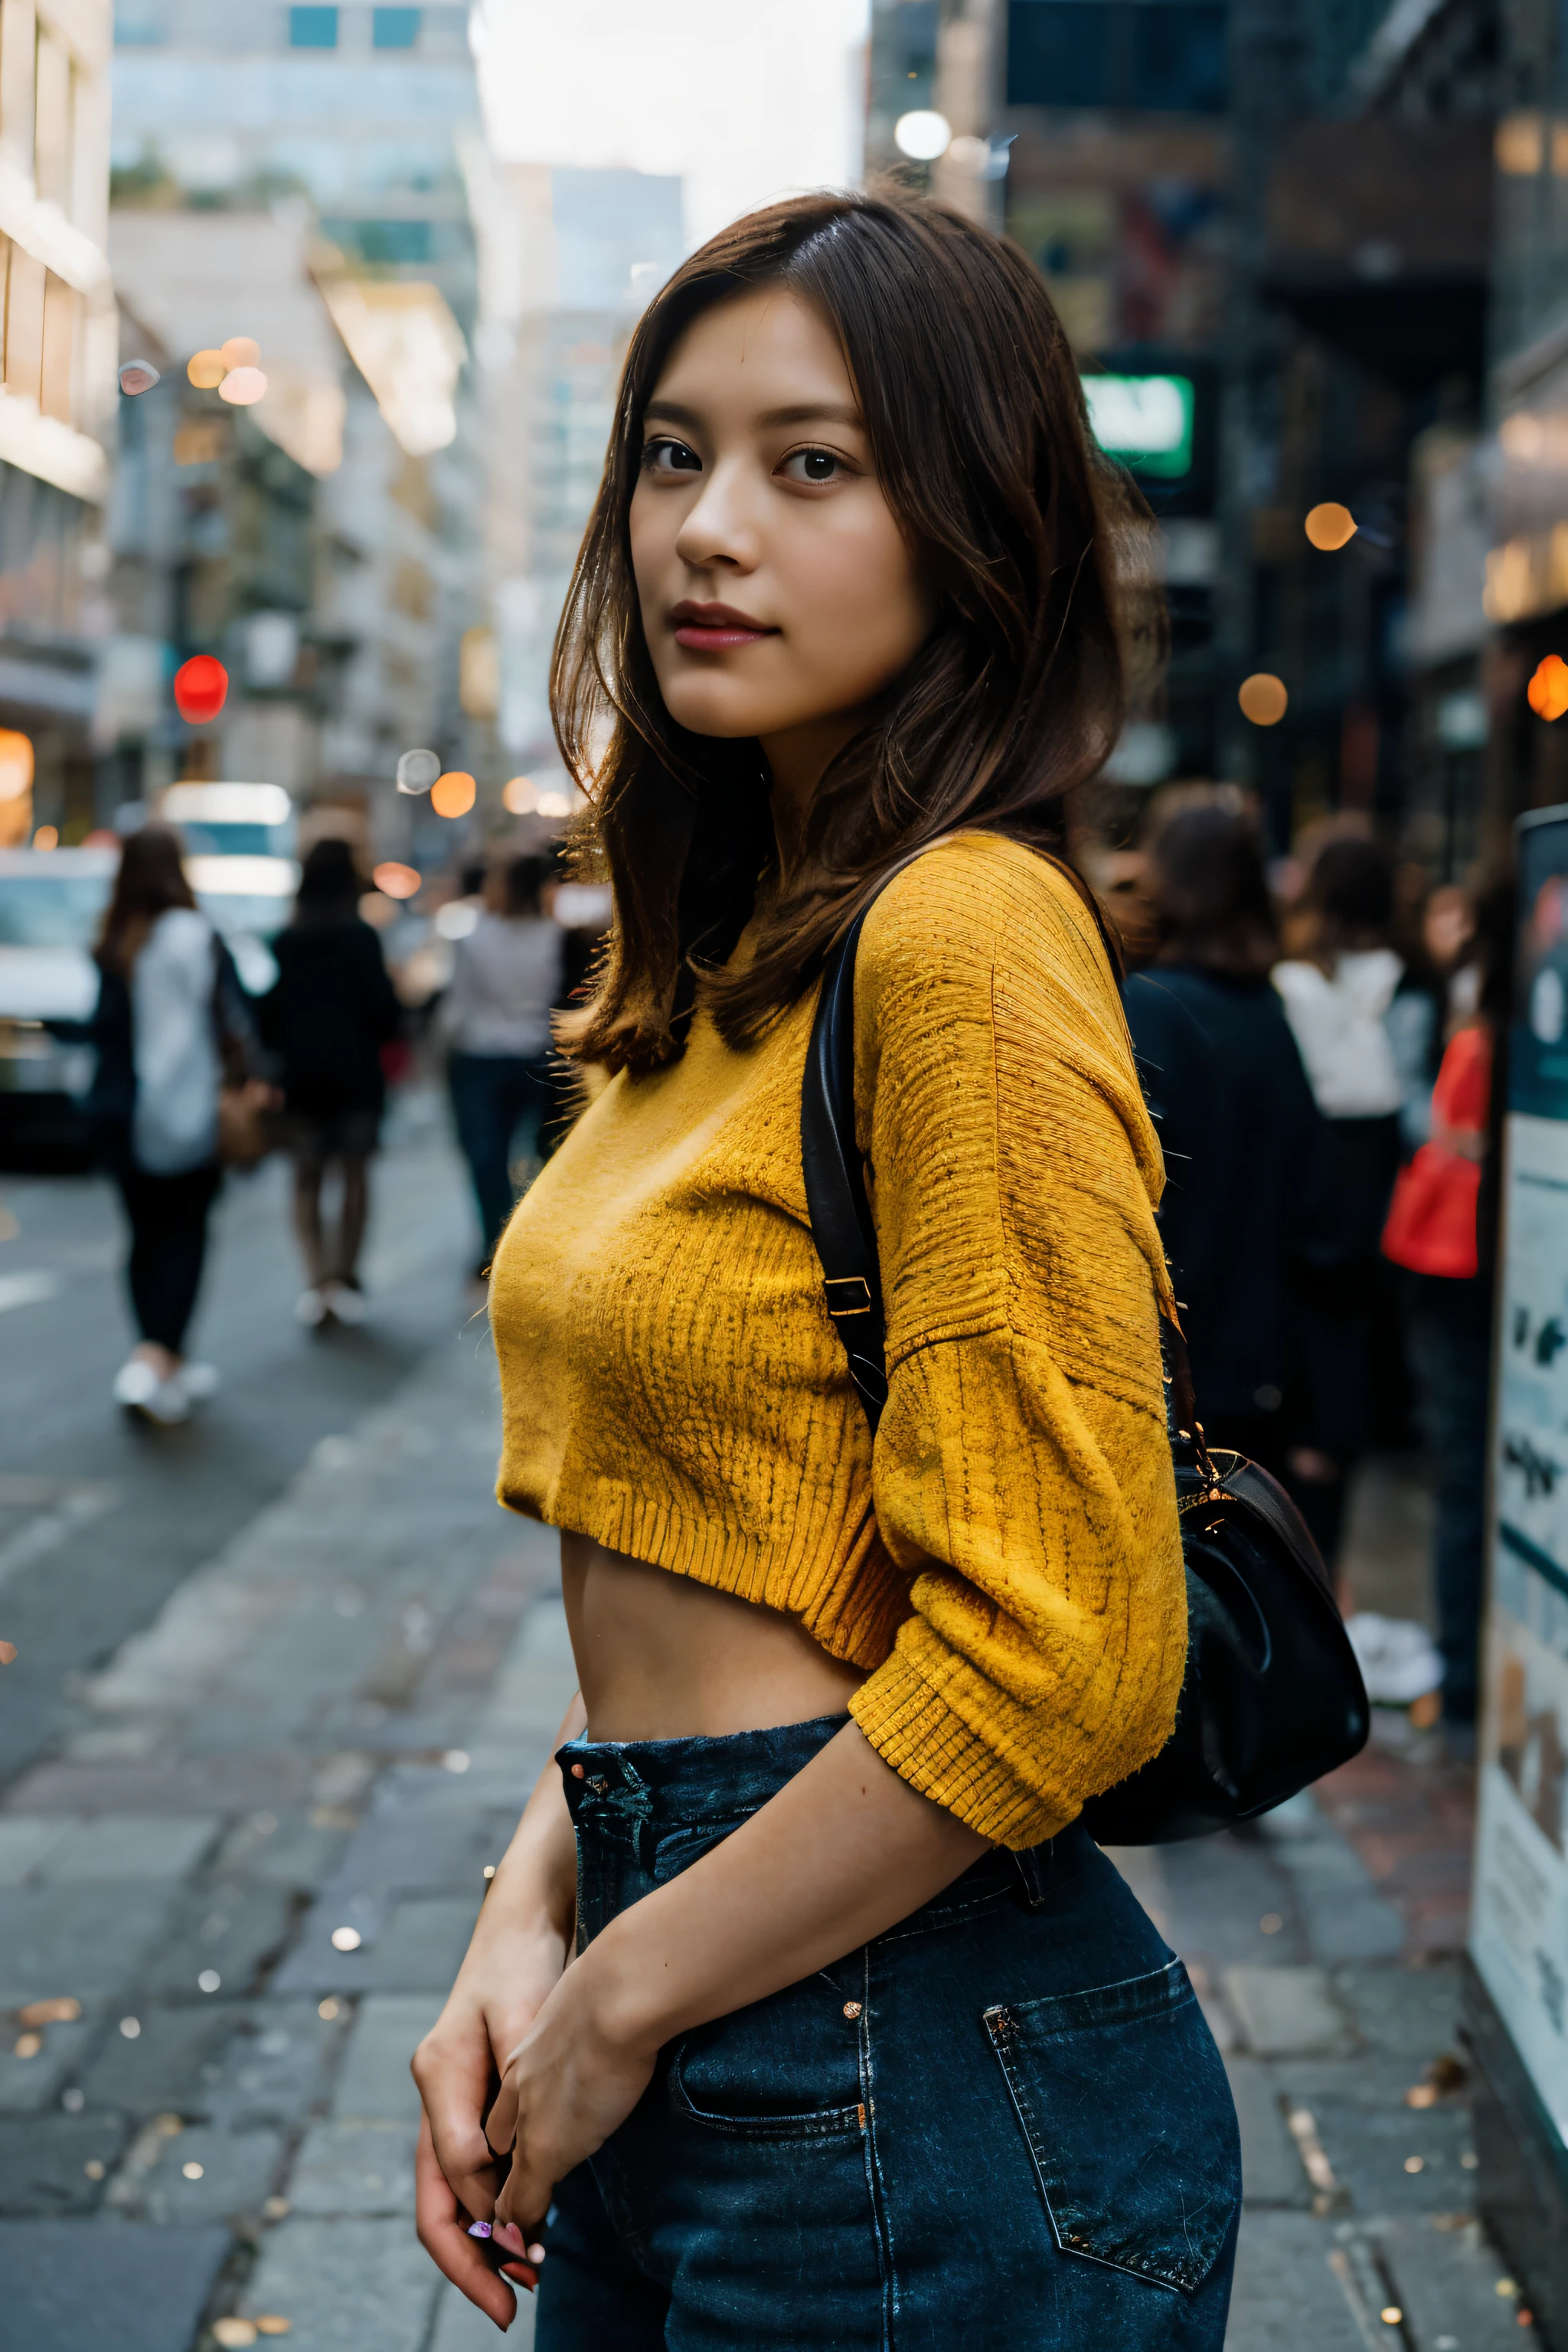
column 1002, row 2126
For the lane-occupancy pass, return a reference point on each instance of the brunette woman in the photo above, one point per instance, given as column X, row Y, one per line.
column 867, row 2041
column 168, row 998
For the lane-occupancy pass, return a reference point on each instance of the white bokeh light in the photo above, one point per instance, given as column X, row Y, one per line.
column 922, row 135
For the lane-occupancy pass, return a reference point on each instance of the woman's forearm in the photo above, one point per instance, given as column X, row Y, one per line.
column 845, row 1851
column 533, row 1893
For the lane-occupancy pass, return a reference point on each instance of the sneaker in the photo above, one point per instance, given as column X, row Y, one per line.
column 169, row 1404
column 346, row 1303
column 311, row 1309
column 200, row 1381
column 1399, row 1661
column 135, row 1382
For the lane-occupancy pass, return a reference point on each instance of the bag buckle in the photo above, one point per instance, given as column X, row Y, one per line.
column 847, row 1294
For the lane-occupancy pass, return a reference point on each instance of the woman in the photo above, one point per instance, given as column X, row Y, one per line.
column 329, row 1014
column 1221, row 1070
column 1361, row 1067
column 506, row 981
column 863, row 2023
column 168, row 998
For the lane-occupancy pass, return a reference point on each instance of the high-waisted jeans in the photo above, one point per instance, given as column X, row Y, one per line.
column 1002, row 2126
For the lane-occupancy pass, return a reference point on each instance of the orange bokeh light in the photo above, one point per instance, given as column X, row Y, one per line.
column 1263, row 698
column 395, row 881
column 1330, row 527
column 16, row 764
column 207, row 370
column 520, row 796
column 46, row 837
column 240, row 351
column 454, row 793
column 1547, row 693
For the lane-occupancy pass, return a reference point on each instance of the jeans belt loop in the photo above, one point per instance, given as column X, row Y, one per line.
column 1031, row 1874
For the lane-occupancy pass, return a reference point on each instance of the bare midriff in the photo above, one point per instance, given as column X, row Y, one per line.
column 661, row 1657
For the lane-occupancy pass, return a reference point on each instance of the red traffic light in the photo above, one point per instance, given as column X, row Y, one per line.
column 200, row 687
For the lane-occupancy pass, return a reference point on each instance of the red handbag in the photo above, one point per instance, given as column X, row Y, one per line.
column 1431, row 1225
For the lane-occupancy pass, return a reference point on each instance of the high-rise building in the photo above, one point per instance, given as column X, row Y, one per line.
column 293, row 174
column 55, row 405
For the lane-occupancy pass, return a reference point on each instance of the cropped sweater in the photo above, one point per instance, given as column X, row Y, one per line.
column 1005, row 1561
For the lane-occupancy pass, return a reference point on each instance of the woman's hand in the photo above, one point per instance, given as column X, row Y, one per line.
column 566, row 2087
column 520, row 1947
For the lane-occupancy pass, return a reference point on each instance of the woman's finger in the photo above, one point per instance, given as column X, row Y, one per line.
column 454, row 2095
column 522, row 2204
column 500, row 2124
column 443, row 2228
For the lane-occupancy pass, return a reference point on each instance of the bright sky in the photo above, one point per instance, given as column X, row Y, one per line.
column 745, row 99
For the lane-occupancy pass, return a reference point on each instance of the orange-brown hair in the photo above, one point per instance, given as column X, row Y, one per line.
column 976, row 422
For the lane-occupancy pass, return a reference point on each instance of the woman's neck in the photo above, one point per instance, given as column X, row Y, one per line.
column 798, row 758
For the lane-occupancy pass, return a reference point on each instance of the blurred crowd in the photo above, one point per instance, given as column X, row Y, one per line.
column 195, row 1076
column 1320, row 1042
column 1320, row 1039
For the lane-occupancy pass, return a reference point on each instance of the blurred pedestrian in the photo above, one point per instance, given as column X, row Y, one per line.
column 507, row 978
column 169, row 1001
column 1336, row 998
column 1242, row 1136
column 1442, row 1229
column 328, row 1017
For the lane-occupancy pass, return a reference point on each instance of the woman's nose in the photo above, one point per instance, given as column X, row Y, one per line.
column 719, row 527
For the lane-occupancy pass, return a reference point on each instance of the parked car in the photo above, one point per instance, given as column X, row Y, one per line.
column 50, row 902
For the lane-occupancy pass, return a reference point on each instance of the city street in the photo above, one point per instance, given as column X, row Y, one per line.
column 284, row 1675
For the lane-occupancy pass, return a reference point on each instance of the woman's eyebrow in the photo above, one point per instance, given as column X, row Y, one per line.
column 672, row 412
column 814, row 411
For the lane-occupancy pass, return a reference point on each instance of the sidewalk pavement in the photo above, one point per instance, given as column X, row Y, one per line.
column 242, row 1882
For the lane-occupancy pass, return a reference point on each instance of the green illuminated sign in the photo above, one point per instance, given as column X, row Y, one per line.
column 1145, row 420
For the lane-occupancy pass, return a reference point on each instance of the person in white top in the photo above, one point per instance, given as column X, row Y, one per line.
column 1362, row 1032
column 168, row 993
column 506, row 982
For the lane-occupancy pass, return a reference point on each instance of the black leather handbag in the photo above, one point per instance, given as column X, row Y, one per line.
column 1272, row 1697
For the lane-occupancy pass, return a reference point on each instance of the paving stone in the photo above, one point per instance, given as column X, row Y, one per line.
column 1271, row 2171
column 1219, row 1890
column 354, row 2168
column 233, row 1931
column 70, row 2288
column 461, row 2326
column 345, row 2285
column 88, row 1941
column 1285, row 2291
column 374, row 2080
column 43, row 2161
column 25, row 1842
column 239, row 2170
column 138, row 1847
column 28, row 2084
column 415, row 1945
column 1446, row 2275
column 203, row 1785
column 276, row 2067
column 1409, row 2013
column 1283, row 2010
column 1369, row 2133
column 1345, row 1916
column 161, row 2070
column 291, row 1848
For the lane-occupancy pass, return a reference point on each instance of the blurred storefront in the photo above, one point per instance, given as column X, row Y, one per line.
column 55, row 405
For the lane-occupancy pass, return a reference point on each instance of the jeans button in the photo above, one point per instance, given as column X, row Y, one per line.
column 851, row 2009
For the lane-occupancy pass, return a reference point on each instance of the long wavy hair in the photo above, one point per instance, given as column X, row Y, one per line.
column 977, row 428
column 150, row 880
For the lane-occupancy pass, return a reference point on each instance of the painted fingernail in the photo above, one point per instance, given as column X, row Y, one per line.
column 536, row 2254
column 479, row 2229
column 508, row 2234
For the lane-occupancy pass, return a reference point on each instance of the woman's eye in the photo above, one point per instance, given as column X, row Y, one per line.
column 669, row 457
column 813, row 465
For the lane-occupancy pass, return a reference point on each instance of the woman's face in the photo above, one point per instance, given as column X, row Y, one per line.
column 776, row 588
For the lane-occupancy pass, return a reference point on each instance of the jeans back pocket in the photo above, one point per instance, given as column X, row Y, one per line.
column 1128, row 2118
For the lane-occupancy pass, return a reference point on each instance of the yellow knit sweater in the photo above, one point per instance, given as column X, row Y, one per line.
column 1005, row 1562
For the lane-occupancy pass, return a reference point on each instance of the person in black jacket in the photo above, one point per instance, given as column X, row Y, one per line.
column 329, row 1015
column 1243, row 1137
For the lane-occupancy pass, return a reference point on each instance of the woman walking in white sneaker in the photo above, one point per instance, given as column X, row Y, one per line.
column 168, row 993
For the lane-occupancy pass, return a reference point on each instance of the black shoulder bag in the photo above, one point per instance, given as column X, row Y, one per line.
column 1272, row 1697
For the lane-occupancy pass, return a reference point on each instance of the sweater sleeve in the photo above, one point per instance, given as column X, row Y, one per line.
column 1022, row 1476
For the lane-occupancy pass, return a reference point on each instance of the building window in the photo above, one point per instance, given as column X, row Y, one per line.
column 139, row 23
column 393, row 28
column 312, row 28
column 1165, row 56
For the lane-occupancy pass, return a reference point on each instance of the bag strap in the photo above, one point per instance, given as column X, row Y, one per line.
column 840, row 1212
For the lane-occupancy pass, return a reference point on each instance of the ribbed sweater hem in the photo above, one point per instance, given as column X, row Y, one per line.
column 852, row 1609
column 912, row 1728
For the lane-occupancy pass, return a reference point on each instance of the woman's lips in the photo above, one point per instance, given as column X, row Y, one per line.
column 716, row 628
